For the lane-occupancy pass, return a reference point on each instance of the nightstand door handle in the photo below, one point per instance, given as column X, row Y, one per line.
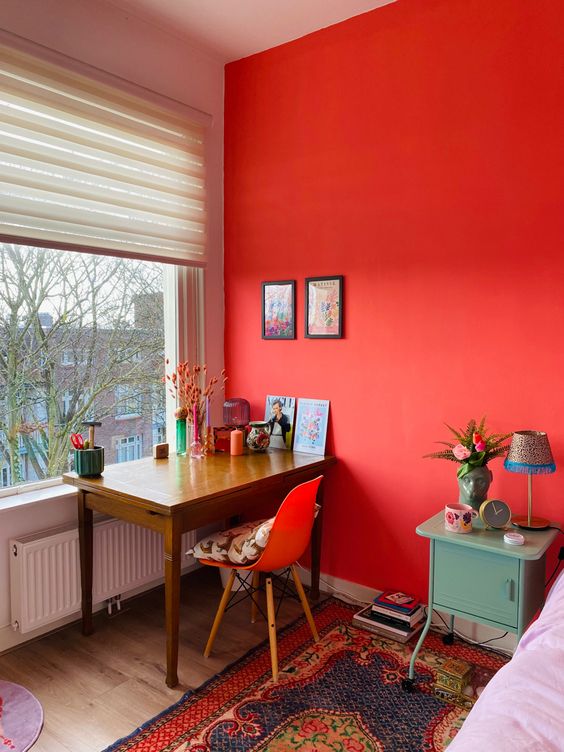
column 509, row 589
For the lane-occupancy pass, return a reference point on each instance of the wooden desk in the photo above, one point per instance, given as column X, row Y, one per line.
column 178, row 494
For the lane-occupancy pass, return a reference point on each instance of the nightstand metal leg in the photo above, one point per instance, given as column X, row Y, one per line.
column 407, row 684
column 422, row 636
column 448, row 639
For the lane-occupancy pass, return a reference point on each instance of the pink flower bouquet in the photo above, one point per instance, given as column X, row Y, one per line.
column 473, row 447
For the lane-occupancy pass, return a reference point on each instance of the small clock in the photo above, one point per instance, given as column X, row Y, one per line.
column 495, row 513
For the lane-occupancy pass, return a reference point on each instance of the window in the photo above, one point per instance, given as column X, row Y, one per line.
column 67, row 401
column 129, row 401
column 159, row 434
column 100, row 307
column 97, row 166
column 129, row 448
column 72, row 357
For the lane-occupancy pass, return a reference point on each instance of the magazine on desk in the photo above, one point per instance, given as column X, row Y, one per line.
column 279, row 413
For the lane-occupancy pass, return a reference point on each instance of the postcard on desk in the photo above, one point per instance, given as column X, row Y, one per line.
column 311, row 426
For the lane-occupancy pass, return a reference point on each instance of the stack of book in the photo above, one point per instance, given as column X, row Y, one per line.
column 392, row 614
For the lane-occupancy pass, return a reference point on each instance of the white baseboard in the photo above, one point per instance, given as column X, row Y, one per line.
column 11, row 638
column 352, row 592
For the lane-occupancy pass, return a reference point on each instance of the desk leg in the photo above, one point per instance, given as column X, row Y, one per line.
column 85, row 536
column 316, row 547
column 172, row 544
column 407, row 684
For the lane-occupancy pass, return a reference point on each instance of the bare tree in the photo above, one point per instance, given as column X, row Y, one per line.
column 74, row 328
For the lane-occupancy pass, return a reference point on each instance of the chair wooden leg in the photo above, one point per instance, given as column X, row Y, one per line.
column 219, row 615
column 272, row 628
column 255, row 596
column 305, row 604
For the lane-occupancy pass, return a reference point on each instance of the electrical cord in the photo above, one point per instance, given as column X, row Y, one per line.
column 560, row 558
column 554, row 571
column 470, row 641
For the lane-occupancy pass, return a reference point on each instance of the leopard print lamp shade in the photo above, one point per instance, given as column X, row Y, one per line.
column 530, row 453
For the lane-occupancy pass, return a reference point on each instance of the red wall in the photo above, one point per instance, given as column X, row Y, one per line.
column 419, row 151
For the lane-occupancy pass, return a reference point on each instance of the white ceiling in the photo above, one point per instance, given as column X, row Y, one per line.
column 231, row 29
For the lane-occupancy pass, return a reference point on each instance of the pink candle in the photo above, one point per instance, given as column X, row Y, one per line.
column 208, row 416
column 196, row 437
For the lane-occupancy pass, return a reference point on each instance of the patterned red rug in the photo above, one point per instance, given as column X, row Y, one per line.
column 344, row 693
column 21, row 718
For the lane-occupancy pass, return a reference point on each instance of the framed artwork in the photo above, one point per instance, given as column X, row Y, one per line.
column 279, row 412
column 279, row 310
column 324, row 307
column 311, row 426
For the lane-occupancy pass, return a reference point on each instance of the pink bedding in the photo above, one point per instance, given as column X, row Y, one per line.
column 522, row 707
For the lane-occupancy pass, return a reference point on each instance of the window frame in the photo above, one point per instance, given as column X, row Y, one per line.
column 183, row 289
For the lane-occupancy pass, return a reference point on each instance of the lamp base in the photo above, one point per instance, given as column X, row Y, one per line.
column 536, row 523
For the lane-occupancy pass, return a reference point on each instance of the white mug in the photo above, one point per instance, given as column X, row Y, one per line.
column 458, row 518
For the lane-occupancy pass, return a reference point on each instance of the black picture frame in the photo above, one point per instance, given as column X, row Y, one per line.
column 330, row 291
column 278, row 309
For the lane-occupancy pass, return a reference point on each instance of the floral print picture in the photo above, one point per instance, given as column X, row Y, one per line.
column 278, row 310
column 324, row 307
column 311, row 426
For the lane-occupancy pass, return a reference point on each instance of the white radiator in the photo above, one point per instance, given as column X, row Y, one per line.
column 45, row 569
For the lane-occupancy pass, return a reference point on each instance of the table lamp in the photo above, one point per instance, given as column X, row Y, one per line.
column 530, row 453
column 236, row 412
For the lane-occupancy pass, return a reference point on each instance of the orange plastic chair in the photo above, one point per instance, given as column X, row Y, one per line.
column 288, row 540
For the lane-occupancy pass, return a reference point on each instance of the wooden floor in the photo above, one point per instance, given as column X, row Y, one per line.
column 97, row 689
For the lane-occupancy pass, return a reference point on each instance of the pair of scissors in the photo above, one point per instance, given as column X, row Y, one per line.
column 77, row 441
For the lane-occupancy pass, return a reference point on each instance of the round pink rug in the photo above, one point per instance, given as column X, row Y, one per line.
column 21, row 718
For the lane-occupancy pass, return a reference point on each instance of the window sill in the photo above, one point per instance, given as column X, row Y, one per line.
column 37, row 496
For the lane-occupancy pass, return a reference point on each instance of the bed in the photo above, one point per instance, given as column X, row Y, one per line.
column 522, row 707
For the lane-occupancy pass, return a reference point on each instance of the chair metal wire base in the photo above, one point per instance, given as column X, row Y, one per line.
column 281, row 583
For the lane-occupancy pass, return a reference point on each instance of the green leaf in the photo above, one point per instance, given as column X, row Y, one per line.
column 470, row 428
column 445, row 454
column 463, row 470
column 476, row 459
column 457, row 434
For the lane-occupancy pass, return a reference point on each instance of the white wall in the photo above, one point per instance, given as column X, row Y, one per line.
column 99, row 34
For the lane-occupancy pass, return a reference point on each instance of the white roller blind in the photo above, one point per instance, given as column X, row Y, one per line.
column 89, row 166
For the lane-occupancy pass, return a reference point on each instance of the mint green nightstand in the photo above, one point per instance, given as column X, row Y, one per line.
column 481, row 578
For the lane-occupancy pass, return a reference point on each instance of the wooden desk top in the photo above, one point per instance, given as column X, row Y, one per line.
column 177, row 482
